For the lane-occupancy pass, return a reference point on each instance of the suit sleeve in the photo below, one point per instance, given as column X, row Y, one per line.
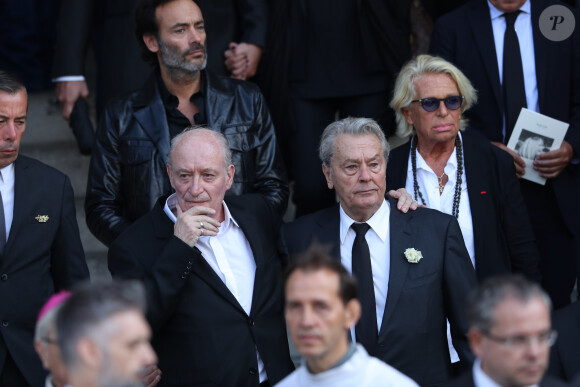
column 253, row 21
column 164, row 275
column 103, row 202
column 72, row 36
column 270, row 178
column 515, row 222
column 68, row 264
column 459, row 280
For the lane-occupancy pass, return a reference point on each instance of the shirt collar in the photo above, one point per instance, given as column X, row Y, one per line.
column 6, row 173
column 481, row 379
column 379, row 222
column 171, row 101
column 496, row 13
column 171, row 202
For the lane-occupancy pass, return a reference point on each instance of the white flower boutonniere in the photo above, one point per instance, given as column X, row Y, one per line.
column 413, row 256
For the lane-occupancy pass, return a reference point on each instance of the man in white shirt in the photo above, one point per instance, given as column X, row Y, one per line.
column 510, row 333
column 413, row 269
column 321, row 308
column 212, row 269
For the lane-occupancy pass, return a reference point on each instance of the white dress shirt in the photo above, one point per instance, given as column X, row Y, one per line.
column 379, row 243
column 7, row 189
column 229, row 254
column 523, row 27
column 481, row 379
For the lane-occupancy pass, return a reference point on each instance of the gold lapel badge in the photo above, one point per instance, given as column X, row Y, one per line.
column 41, row 218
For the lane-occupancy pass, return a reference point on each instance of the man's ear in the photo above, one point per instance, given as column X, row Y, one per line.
column 407, row 113
column 90, row 354
column 353, row 312
column 42, row 351
column 230, row 172
column 151, row 42
column 327, row 174
column 475, row 338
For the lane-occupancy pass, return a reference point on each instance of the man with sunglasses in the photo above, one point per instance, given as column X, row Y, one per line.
column 500, row 46
column 510, row 333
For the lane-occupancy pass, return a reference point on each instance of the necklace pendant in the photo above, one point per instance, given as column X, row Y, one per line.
column 441, row 188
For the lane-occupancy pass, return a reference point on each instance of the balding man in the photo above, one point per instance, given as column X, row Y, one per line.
column 211, row 270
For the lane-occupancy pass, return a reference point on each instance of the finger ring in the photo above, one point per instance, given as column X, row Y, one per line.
column 201, row 224
column 202, row 232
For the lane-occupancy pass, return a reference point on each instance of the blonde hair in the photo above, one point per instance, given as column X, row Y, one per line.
column 404, row 91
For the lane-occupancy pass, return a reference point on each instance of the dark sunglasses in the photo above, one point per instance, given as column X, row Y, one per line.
column 431, row 104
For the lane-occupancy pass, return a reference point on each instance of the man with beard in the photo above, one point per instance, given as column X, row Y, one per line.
column 104, row 337
column 127, row 172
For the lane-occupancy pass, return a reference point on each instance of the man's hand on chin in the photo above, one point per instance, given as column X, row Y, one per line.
column 405, row 202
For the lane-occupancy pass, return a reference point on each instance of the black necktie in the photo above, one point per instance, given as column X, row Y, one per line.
column 366, row 329
column 2, row 226
column 514, row 91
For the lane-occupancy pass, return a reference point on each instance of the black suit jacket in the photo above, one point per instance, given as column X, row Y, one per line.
column 41, row 257
column 465, row 37
column 201, row 333
column 503, row 237
column 420, row 296
column 565, row 354
column 466, row 380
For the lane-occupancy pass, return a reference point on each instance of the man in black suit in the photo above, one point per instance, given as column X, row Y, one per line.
column 212, row 270
column 419, row 269
column 40, row 246
column 510, row 333
column 472, row 37
column 127, row 173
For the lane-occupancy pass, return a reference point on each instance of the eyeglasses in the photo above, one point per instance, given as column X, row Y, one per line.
column 431, row 104
column 544, row 339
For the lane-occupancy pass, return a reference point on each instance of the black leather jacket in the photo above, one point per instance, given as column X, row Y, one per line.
column 128, row 167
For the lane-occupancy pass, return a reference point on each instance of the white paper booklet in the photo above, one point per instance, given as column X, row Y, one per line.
column 533, row 134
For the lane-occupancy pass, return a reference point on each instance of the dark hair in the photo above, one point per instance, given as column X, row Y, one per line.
column 317, row 258
column 146, row 24
column 86, row 311
column 10, row 83
column 482, row 301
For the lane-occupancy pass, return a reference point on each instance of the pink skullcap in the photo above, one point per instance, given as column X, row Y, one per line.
column 55, row 300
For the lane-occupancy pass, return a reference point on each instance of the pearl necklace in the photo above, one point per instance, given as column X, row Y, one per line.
column 458, row 180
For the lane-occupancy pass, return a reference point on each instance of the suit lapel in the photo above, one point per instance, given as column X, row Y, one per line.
column 329, row 234
column 20, row 209
column 482, row 31
column 478, row 189
column 401, row 238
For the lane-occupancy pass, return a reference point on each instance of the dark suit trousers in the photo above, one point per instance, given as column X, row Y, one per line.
column 311, row 116
column 557, row 246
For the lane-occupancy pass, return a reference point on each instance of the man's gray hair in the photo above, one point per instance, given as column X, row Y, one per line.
column 482, row 302
column 223, row 141
column 86, row 313
column 10, row 83
column 404, row 91
column 46, row 324
column 349, row 126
